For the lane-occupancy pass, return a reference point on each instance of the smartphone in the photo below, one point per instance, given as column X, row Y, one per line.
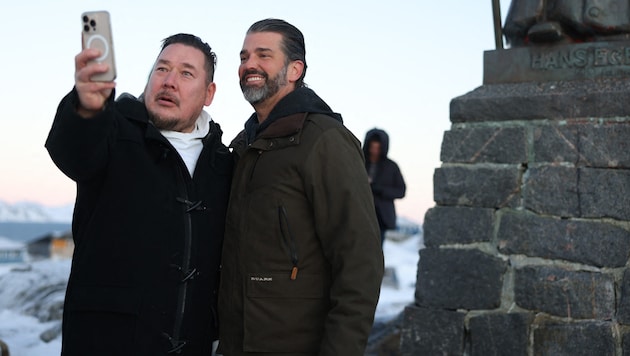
column 97, row 33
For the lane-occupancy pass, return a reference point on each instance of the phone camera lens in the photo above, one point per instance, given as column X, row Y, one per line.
column 86, row 28
column 86, row 19
column 93, row 23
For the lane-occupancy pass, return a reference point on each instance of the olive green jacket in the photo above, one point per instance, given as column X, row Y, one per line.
column 302, row 262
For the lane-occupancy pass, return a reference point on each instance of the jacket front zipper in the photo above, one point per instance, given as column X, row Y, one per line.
column 187, row 272
column 288, row 240
column 251, row 173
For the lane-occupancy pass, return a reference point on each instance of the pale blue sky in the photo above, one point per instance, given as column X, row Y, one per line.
column 390, row 64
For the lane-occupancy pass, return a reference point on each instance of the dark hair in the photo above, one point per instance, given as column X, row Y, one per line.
column 196, row 42
column 292, row 41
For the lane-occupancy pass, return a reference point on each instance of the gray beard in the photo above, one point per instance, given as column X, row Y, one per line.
column 272, row 86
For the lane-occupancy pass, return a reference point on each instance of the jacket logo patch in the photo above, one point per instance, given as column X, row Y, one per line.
column 261, row 279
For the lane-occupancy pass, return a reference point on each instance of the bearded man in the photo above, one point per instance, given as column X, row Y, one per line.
column 302, row 262
column 152, row 186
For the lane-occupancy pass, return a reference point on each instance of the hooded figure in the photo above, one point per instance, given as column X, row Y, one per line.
column 385, row 179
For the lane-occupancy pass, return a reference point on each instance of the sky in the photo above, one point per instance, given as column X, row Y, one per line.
column 394, row 64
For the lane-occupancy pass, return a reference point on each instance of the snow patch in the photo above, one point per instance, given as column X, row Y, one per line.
column 8, row 244
column 31, row 303
column 21, row 334
column 401, row 257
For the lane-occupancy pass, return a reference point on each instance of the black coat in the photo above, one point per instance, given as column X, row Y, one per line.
column 147, row 237
column 387, row 182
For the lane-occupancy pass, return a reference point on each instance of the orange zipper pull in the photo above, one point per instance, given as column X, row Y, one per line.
column 294, row 272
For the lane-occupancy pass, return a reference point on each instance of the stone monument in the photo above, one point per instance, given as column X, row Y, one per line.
column 528, row 245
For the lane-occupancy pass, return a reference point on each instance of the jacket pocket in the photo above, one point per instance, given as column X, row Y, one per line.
column 115, row 299
column 288, row 240
column 101, row 321
column 284, row 315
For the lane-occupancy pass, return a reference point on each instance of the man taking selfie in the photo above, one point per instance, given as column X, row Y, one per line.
column 152, row 187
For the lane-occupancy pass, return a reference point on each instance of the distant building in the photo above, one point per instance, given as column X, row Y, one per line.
column 54, row 245
column 12, row 251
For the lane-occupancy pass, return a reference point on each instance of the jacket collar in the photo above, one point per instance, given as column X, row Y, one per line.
column 283, row 132
column 299, row 101
column 285, row 126
column 135, row 110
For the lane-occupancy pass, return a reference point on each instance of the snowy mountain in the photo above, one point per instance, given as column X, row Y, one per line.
column 33, row 212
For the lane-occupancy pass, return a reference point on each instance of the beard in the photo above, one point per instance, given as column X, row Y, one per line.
column 163, row 123
column 256, row 95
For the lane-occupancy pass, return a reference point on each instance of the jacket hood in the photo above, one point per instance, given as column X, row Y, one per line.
column 376, row 135
column 301, row 100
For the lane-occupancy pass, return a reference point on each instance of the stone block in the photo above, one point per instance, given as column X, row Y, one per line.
column 500, row 334
column 555, row 144
column 579, row 339
column 432, row 332
column 625, row 344
column 593, row 243
column 485, row 144
column 623, row 311
column 551, row 100
column 459, row 279
column 559, row 292
column 384, row 337
column 551, row 190
column 605, row 146
column 477, row 186
column 573, row 60
column 605, row 193
column 457, row 225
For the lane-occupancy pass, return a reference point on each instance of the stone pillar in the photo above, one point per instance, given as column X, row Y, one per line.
column 528, row 246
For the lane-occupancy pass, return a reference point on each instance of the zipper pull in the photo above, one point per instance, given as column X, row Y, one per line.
column 294, row 272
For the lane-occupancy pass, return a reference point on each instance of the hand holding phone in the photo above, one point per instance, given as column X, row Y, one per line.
column 95, row 71
column 97, row 33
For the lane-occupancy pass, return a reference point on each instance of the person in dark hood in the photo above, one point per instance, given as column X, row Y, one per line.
column 385, row 179
column 301, row 264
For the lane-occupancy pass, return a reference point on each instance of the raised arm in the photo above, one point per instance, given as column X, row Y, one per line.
column 83, row 126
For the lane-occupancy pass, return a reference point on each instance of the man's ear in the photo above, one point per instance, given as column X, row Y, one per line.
column 295, row 70
column 212, row 88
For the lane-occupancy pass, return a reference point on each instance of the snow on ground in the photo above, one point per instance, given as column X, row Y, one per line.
column 30, row 297
column 8, row 244
column 21, row 333
column 403, row 258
